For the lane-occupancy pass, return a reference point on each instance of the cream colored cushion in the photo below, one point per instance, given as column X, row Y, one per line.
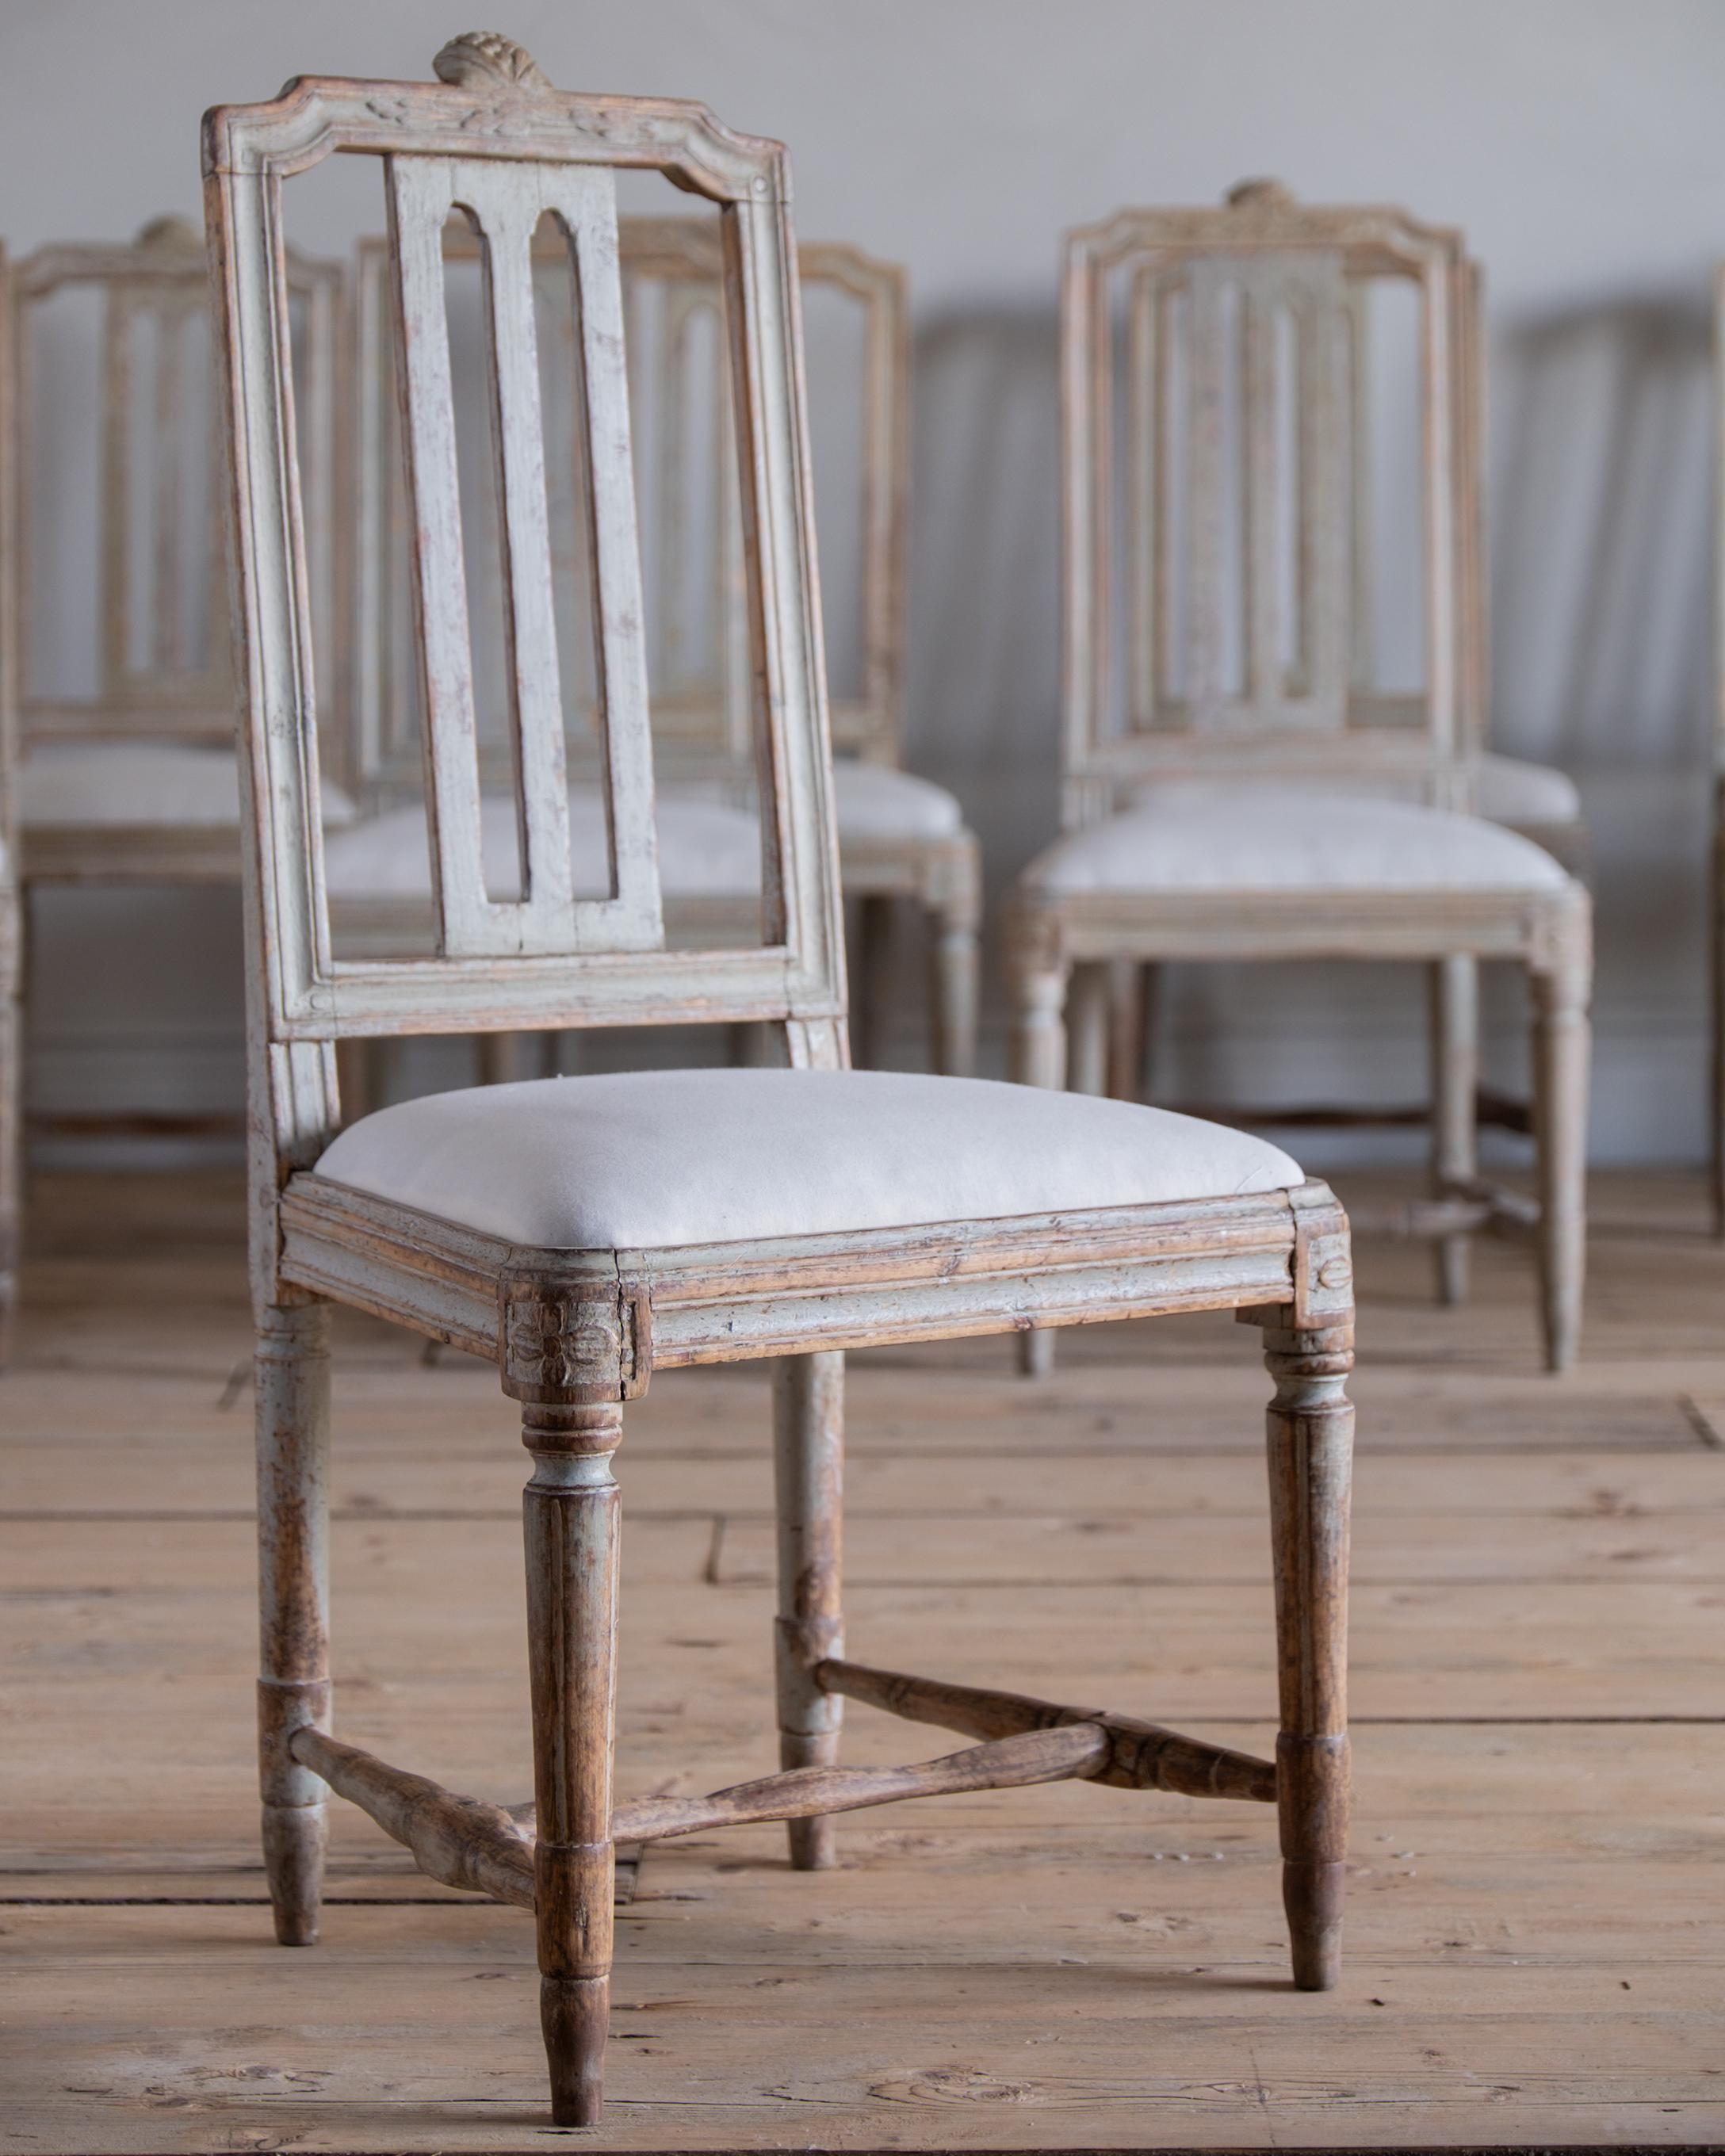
column 1509, row 791
column 74, row 783
column 659, row 1158
column 704, row 850
column 1239, row 837
column 874, row 801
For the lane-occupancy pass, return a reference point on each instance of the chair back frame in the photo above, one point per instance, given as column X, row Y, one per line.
column 508, row 148
column 156, row 681
column 1316, row 712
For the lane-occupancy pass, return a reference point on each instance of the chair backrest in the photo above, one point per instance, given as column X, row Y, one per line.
column 493, row 138
column 697, row 623
column 1221, row 396
column 152, row 578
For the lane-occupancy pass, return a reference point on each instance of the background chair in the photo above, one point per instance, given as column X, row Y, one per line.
column 1277, row 804
column 125, row 692
column 582, row 1232
column 1715, row 925
column 11, row 930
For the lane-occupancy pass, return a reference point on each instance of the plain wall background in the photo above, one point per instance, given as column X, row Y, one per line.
column 1578, row 142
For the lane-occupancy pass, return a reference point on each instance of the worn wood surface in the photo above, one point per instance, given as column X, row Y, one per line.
column 1538, row 1752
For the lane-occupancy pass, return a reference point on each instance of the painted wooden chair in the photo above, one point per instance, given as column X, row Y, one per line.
column 901, row 836
column 1715, row 924
column 11, row 920
column 127, row 773
column 1233, row 787
column 583, row 1232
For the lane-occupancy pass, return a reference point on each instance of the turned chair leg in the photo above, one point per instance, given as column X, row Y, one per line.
column 1717, row 991
column 11, row 1169
column 506, row 1059
column 1128, row 1006
column 570, row 1510
column 809, row 1471
column 1561, row 1045
column 1039, row 1059
column 1087, row 1013
column 1455, row 1093
column 871, row 1001
column 293, row 1433
column 954, row 964
column 1311, row 1445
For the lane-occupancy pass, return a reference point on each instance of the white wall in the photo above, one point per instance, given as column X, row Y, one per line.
column 1577, row 140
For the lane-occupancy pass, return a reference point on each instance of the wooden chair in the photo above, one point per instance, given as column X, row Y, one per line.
column 1224, row 759
column 130, row 775
column 582, row 1232
column 900, row 836
column 1716, row 923
column 11, row 926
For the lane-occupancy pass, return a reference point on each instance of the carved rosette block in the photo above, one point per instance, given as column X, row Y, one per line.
column 486, row 59
column 574, row 1342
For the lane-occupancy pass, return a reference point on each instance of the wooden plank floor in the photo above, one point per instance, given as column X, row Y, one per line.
column 1536, row 1931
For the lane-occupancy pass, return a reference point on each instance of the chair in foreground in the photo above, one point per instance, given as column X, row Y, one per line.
column 1231, row 780
column 583, row 1232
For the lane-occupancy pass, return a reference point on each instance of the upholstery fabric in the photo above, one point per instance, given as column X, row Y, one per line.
column 1205, row 836
column 874, row 801
column 704, row 850
column 120, row 783
column 658, row 1159
column 1510, row 791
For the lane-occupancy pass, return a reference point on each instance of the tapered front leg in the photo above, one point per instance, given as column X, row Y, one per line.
column 955, row 986
column 1311, row 1445
column 871, row 1013
column 293, row 1434
column 808, row 1458
column 1717, row 1013
column 571, row 1513
column 1087, row 1014
column 1455, row 1096
column 1561, row 1053
column 1039, row 1059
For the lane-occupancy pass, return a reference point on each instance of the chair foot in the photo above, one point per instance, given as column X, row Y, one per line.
column 575, row 2014
column 295, row 1837
column 1312, row 1895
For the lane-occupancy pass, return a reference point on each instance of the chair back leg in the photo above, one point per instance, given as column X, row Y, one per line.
column 293, row 1433
column 808, row 1465
column 571, row 1516
column 1561, row 1053
column 1455, row 1089
column 1311, row 1447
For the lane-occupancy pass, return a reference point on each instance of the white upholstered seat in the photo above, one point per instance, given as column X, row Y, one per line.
column 655, row 1159
column 131, row 783
column 1512, row 792
column 704, row 850
column 1203, row 835
column 876, row 801
column 1508, row 790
